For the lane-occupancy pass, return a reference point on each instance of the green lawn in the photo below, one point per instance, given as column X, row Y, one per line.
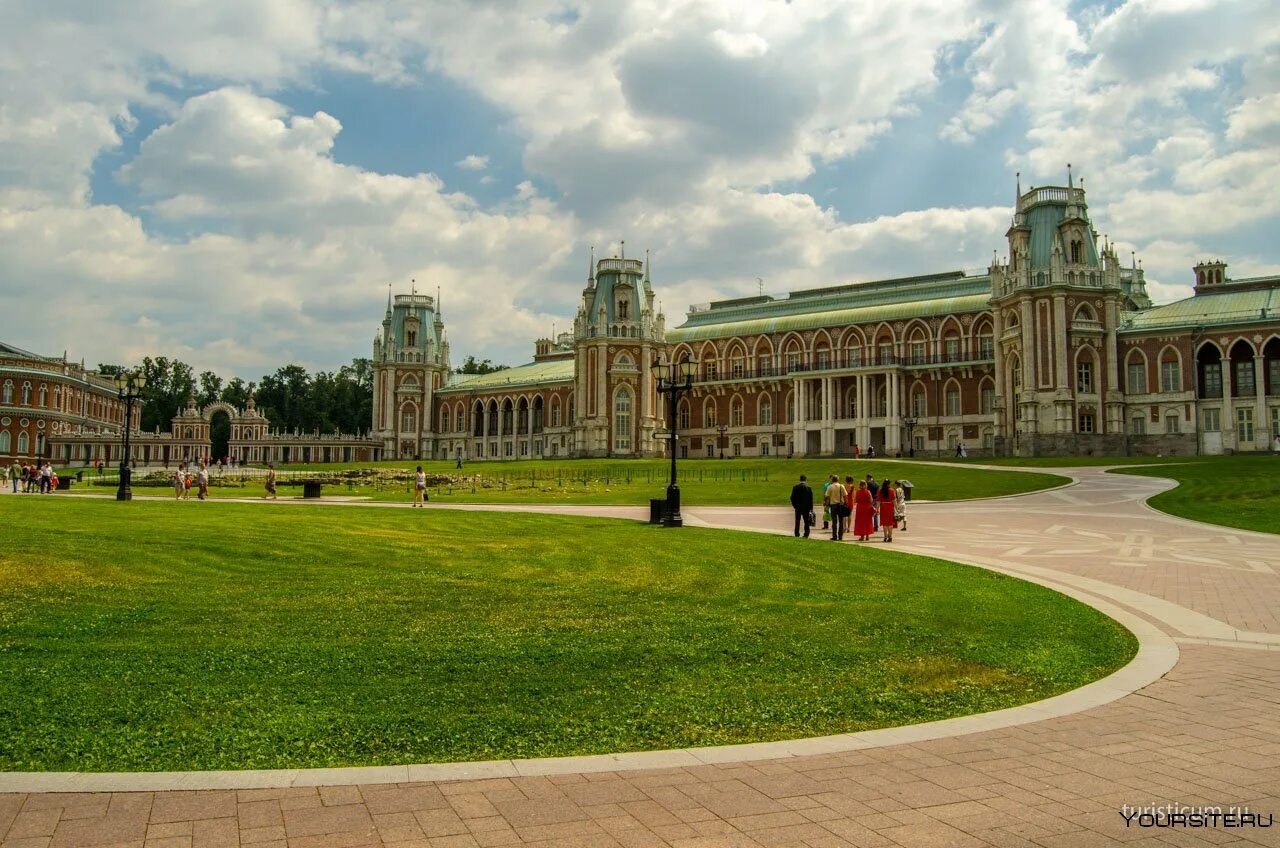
column 1070, row 461
column 140, row 637
column 1235, row 491
column 702, row 481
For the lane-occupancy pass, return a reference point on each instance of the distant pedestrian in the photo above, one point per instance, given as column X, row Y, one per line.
column 871, row 451
column 835, row 500
column 46, row 478
column 802, row 505
column 459, row 458
column 271, row 481
column 863, row 526
column 857, row 451
column 13, row 472
column 179, row 482
column 847, row 518
column 900, row 505
column 826, row 507
column 419, row 487
column 202, row 482
column 887, row 504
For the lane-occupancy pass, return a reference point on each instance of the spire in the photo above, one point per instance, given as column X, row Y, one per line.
column 591, row 267
column 1069, row 183
column 1017, row 201
column 624, row 249
column 388, row 300
column 646, row 265
column 439, row 307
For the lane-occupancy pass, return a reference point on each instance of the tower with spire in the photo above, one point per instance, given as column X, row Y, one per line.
column 1056, row 302
column 616, row 335
column 410, row 362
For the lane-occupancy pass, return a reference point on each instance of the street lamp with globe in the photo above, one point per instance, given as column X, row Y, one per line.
column 129, row 388
column 673, row 380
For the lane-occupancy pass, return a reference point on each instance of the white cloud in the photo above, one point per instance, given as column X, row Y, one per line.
column 473, row 162
column 671, row 123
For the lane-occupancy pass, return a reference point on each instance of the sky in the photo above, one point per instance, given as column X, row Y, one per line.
column 236, row 183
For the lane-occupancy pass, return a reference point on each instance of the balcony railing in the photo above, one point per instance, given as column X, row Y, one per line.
column 842, row 363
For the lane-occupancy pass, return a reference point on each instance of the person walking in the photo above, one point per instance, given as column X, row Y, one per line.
column 13, row 475
column 802, row 504
column 835, row 501
column 874, row 488
column 826, row 507
column 847, row 518
column 271, row 481
column 887, row 504
column 419, row 487
column 179, row 483
column 186, row 485
column 46, row 478
column 899, row 505
column 863, row 508
column 459, row 460
column 202, row 482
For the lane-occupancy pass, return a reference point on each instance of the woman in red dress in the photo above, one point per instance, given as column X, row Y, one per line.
column 862, row 510
column 888, row 500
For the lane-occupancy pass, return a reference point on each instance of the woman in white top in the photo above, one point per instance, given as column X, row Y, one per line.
column 900, row 505
column 179, row 483
column 419, row 487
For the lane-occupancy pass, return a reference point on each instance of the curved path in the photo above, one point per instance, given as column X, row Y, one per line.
column 1205, row 733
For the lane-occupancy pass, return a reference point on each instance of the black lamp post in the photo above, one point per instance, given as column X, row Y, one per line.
column 911, row 426
column 673, row 379
column 129, row 385
column 722, row 429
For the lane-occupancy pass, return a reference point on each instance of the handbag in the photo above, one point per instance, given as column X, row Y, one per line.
column 813, row 519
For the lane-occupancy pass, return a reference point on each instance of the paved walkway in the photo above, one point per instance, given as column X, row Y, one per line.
column 1206, row 733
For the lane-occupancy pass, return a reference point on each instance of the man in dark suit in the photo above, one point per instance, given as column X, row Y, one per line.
column 802, row 503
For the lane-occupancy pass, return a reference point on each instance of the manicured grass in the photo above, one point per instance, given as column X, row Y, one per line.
column 1069, row 461
column 136, row 636
column 1234, row 491
column 702, row 481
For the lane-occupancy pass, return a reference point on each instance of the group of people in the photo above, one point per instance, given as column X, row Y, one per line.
column 864, row 508
column 36, row 478
column 183, row 478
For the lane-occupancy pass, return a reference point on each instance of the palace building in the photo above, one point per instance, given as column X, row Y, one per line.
column 1055, row 350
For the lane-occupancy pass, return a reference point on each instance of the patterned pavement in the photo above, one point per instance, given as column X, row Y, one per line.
column 1206, row 733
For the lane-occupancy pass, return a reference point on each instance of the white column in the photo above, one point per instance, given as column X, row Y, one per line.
column 1261, row 422
column 1228, row 408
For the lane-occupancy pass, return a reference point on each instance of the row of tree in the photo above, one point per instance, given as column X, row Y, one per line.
column 292, row 398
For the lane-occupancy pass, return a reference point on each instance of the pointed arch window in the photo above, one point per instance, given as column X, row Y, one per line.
column 1170, row 373
column 709, row 413
column 952, row 399
column 736, row 415
column 766, row 411
column 8, row 391
column 622, row 421
column 682, row 415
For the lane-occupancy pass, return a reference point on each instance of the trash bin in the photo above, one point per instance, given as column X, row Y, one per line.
column 64, row 484
column 657, row 508
column 80, row 475
column 907, row 486
column 311, row 489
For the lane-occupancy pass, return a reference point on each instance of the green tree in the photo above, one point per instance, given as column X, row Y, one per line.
column 210, row 388
column 484, row 366
column 169, row 382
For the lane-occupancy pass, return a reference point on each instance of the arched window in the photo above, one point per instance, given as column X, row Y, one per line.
column 4, row 441
column 765, row 414
column 24, row 443
column 709, row 413
column 8, row 391
column 1209, row 359
column 1136, row 373
column 26, row 394
column 408, row 419
column 555, row 412
column 44, row 395
column 1170, row 371
column 791, row 408
column 622, row 421
column 682, row 414
column 1085, row 382
column 951, row 398
column 736, row 412
column 919, row 402
column 624, row 361
column 987, row 398
column 460, row 419
column 852, row 402
column 411, row 339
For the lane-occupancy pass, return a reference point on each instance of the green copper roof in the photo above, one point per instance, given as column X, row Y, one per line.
column 1208, row 309
column 834, row 317
column 532, row 374
column 881, row 300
